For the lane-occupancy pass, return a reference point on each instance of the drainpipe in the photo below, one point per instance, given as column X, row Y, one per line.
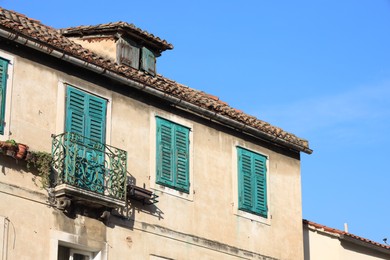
column 145, row 88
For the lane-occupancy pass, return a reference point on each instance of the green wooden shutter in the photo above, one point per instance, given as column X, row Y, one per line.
column 96, row 118
column 148, row 61
column 252, row 186
column 76, row 105
column 172, row 155
column 85, row 114
column 164, row 152
column 3, row 86
column 259, row 169
column 182, row 158
column 245, row 189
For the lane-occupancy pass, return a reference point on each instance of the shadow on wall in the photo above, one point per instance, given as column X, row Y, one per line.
column 125, row 217
column 22, row 167
column 9, row 162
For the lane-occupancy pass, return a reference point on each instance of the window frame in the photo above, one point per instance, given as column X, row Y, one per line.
column 98, row 248
column 253, row 216
column 3, row 93
column 178, row 152
column 88, row 88
column 80, row 252
column 153, row 156
column 6, row 116
column 89, row 113
column 252, row 182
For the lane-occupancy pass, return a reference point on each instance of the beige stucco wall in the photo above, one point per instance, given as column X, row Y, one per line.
column 320, row 245
column 178, row 226
column 105, row 47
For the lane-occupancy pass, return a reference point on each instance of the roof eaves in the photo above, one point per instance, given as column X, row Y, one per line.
column 360, row 241
column 348, row 237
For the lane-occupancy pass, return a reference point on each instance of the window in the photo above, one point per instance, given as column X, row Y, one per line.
column 136, row 56
column 128, row 53
column 3, row 89
column 85, row 114
column 252, row 186
column 65, row 253
column 86, row 117
column 172, row 152
column 66, row 246
column 148, row 61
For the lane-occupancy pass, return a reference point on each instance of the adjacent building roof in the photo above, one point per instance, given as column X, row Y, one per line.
column 344, row 235
column 19, row 28
column 79, row 31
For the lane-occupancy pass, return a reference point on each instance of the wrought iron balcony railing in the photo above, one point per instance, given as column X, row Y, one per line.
column 89, row 165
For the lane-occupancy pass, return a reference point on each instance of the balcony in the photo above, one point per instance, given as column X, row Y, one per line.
column 88, row 172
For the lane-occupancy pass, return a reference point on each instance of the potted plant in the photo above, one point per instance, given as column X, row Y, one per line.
column 22, row 150
column 9, row 147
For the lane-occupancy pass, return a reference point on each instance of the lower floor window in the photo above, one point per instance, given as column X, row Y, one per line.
column 65, row 253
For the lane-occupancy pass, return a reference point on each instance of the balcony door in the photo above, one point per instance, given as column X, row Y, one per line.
column 86, row 118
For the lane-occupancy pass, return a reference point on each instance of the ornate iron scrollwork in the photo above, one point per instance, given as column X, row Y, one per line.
column 88, row 164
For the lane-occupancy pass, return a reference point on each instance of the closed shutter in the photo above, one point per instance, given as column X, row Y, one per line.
column 3, row 86
column 245, row 177
column 259, row 170
column 164, row 152
column 96, row 118
column 172, row 155
column 128, row 54
column 148, row 61
column 182, row 160
column 85, row 114
column 252, row 186
column 75, row 111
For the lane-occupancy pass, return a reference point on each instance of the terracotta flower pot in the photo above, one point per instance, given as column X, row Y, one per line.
column 8, row 148
column 22, row 150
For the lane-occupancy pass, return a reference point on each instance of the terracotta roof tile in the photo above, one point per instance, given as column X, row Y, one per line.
column 53, row 39
column 340, row 232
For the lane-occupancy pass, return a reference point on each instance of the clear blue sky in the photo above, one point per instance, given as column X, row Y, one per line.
column 319, row 69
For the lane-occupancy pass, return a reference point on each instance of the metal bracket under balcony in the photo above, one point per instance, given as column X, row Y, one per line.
column 140, row 194
column 88, row 172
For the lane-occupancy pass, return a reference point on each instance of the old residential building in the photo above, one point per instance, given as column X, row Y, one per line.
column 143, row 167
column 322, row 242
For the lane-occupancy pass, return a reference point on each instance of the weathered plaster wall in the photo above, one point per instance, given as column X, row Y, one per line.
column 32, row 222
column 105, row 47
